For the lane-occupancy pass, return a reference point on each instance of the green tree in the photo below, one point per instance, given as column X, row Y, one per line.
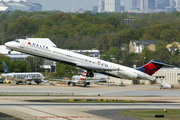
column 6, row 59
column 36, row 63
column 162, row 54
column 146, row 55
column 103, row 43
column 136, row 24
column 169, row 35
column 113, row 21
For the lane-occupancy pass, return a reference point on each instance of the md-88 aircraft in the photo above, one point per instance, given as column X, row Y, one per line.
column 85, row 62
column 21, row 77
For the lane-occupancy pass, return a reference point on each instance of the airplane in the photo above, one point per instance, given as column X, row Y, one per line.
column 90, row 64
column 166, row 85
column 21, row 77
column 79, row 79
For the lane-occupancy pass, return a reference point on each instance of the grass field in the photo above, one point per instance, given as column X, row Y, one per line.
column 150, row 114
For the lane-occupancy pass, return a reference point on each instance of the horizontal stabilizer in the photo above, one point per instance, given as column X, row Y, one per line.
column 160, row 63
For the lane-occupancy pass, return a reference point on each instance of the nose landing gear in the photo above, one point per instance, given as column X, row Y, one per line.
column 9, row 52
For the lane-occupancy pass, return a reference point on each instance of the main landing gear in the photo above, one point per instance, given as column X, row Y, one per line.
column 90, row 73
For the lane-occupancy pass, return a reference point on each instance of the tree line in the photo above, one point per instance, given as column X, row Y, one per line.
column 103, row 31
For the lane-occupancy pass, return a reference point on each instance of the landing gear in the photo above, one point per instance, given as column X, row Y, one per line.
column 85, row 85
column 74, row 84
column 29, row 83
column 90, row 73
column 9, row 52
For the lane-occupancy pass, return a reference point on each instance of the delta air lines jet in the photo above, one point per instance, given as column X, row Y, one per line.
column 85, row 62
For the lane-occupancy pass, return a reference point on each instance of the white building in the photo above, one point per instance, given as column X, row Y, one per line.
column 177, row 3
column 23, row 6
column 147, row 5
column 101, row 6
column 112, row 6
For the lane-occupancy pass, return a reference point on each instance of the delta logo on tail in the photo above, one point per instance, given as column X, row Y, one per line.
column 152, row 67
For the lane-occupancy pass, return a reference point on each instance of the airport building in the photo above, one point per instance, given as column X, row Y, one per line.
column 23, row 6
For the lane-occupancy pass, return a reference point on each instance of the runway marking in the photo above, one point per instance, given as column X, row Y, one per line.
column 64, row 117
column 45, row 112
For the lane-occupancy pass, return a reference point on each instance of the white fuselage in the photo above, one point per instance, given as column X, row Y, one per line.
column 69, row 57
column 79, row 79
column 23, row 76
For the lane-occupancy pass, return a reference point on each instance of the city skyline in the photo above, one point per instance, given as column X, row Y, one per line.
column 67, row 5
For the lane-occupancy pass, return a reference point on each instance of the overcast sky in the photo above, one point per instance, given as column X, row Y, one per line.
column 65, row 5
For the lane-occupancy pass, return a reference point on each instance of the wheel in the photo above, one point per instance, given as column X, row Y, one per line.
column 74, row 84
column 9, row 52
column 29, row 83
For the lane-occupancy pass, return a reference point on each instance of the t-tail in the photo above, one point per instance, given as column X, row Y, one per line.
column 152, row 67
column 6, row 71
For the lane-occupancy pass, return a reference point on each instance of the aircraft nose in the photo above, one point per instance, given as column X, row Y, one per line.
column 3, row 75
column 8, row 44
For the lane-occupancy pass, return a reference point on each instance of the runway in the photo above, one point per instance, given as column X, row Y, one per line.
column 32, row 107
column 138, row 90
column 72, row 111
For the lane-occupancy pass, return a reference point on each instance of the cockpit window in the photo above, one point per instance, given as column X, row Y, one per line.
column 17, row 41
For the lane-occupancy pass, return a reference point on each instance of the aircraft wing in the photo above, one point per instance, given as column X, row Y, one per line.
column 101, row 69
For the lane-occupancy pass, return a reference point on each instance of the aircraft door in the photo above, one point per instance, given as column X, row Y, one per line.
column 23, row 43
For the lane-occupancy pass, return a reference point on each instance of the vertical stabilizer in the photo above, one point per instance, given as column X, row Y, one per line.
column 5, row 68
column 152, row 67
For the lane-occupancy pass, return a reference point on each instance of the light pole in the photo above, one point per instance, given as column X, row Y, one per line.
column 143, row 60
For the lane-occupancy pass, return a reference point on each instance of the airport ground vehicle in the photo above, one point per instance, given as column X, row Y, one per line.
column 166, row 86
column 1, row 79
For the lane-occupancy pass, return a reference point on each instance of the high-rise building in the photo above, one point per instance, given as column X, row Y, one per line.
column 177, row 3
column 147, row 4
column 135, row 3
column 29, row 1
column 95, row 8
column 161, row 4
column 173, row 3
column 112, row 6
column 101, row 6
